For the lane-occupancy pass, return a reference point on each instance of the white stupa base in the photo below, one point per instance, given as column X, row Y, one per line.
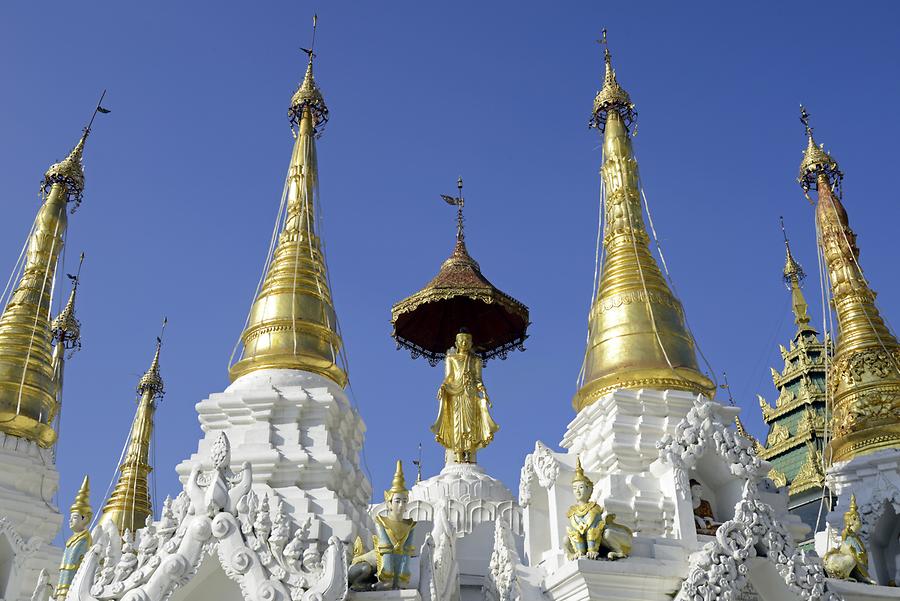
column 398, row 595
column 29, row 520
column 302, row 437
column 618, row 433
column 633, row 578
column 855, row 591
column 616, row 438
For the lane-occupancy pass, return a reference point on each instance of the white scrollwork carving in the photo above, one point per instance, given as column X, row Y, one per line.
column 501, row 583
column 216, row 513
column 718, row 572
column 701, row 429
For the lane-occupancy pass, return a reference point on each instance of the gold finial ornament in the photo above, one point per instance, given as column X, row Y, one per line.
column 816, row 162
column 65, row 326
column 292, row 324
column 130, row 502
column 637, row 334
column 611, row 97
column 793, row 278
column 864, row 378
column 398, row 484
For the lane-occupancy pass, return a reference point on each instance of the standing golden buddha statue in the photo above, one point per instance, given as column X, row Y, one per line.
column 464, row 423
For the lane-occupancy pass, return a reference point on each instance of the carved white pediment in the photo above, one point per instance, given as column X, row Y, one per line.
column 258, row 547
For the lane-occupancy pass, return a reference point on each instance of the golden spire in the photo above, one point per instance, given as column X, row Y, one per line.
column 793, row 278
column 130, row 503
column 292, row 323
column 66, row 332
column 637, row 334
column 82, row 503
column 28, row 387
column 398, row 484
column 864, row 378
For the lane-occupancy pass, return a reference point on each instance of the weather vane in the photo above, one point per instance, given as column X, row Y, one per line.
column 418, row 464
column 162, row 330
column 602, row 41
column 75, row 279
column 727, row 388
column 804, row 119
column 459, row 202
column 310, row 51
column 98, row 109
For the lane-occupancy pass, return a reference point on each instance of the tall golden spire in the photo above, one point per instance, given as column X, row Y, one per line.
column 130, row 503
column 637, row 334
column 28, row 386
column 793, row 278
column 292, row 323
column 66, row 332
column 864, row 379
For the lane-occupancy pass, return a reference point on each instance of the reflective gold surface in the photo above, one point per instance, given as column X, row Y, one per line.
column 637, row 333
column 292, row 323
column 130, row 503
column 864, row 379
column 464, row 422
column 28, row 385
column 850, row 559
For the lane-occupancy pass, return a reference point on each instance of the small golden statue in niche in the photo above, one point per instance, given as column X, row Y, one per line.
column 387, row 564
column 849, row 560
column 464, row 423
column 78, row 544
column 703, row 512
column 590, row 532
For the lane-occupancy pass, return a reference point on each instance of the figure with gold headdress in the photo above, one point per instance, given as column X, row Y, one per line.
column 80, row 541
column 849, row 560
column 590, row 533
column 464, row 423
column 387, row 563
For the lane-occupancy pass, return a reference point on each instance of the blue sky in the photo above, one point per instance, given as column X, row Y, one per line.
column 184, row 178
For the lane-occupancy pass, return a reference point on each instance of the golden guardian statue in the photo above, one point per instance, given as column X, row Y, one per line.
column 849, row 560
column 590, row 532
column 80, row 541
column 387, row 564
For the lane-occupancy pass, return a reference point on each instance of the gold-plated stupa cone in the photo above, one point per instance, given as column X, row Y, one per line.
column 864, row 378
column 29, row 390
column 130, row 504
column 637, row 333
column 292, row 322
